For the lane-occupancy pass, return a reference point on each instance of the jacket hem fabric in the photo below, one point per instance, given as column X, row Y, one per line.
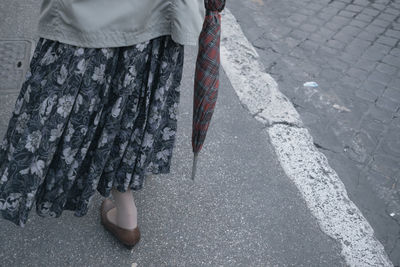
column 113, row 39
column 63, row 23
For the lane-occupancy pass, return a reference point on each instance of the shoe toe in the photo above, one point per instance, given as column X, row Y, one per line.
column 128, row 237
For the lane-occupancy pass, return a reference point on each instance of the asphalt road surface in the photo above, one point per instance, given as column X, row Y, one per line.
column 253, row 201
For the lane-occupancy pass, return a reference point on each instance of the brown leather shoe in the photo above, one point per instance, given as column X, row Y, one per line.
column 127, row 237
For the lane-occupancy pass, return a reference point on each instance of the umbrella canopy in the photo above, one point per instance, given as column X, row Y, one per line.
column 206, row 80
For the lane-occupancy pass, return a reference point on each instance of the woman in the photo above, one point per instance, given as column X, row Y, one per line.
column 97, row 109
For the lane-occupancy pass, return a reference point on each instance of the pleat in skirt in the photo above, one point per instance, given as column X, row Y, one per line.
column 89, row 119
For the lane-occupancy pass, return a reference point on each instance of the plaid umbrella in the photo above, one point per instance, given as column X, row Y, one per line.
column 206, row 80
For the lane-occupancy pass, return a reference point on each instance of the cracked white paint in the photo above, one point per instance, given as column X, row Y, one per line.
column 326, row 196
column 256, row 89
column 320, row 186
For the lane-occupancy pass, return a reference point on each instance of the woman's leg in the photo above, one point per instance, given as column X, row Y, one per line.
column 125, row 213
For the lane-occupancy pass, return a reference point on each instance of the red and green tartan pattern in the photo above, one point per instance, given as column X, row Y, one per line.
column 206, row 81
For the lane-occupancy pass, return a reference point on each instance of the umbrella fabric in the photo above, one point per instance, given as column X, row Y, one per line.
column 206, row 81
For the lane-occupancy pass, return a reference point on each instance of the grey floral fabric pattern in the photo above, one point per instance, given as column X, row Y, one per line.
column 89, row 119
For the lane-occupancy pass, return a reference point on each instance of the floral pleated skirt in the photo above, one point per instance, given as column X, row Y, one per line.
column 89, row 119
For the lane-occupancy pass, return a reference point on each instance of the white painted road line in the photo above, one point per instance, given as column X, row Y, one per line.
column 320, row 186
